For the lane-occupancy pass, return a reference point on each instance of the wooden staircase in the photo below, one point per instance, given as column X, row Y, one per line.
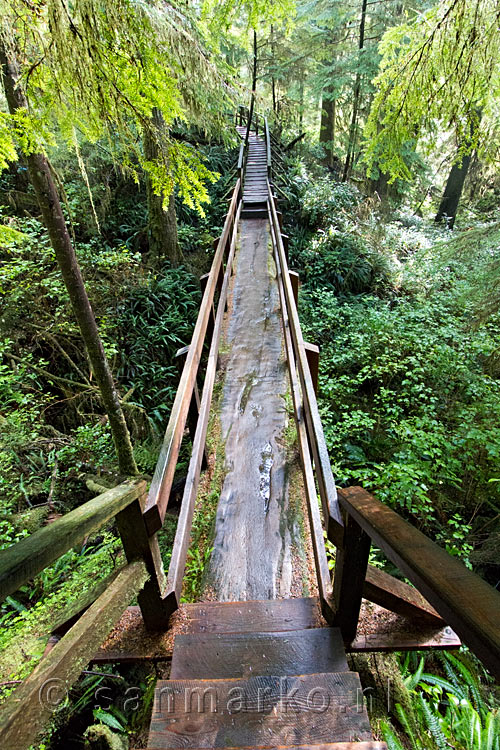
column 255, row 191
column 243, row 687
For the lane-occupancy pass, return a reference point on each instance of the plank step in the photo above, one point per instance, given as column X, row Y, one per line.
column 263, row 711
column 250, row 213
column 269, row 616
column 221, row 655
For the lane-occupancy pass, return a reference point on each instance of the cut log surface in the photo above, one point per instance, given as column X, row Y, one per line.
column 259, row 711
column 237, row 655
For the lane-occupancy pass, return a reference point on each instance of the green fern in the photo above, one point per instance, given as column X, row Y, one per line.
column 432, row 719
column 390, row 737
column 405, row 723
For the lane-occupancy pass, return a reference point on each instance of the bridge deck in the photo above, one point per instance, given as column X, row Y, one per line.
column 258, row 551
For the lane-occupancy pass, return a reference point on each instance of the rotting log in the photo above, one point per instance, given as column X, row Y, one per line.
column 31, row 555
column 25, row 712
column 466, row 602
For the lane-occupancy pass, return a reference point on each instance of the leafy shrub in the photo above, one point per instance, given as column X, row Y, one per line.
column 324, row 201
column 155, row 320
column 343, row 262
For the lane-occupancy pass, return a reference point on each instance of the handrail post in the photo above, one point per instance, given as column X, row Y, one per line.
column 351, row 563
column 138, row 545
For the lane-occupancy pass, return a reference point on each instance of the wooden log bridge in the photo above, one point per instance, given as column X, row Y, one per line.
column 263, row 664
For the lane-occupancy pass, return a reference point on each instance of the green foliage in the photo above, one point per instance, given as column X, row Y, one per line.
column 448, row 712
column 435, row 70
column 154, row 321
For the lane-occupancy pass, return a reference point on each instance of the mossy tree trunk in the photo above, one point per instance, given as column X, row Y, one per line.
column 356, row 99
column 327, row 130
column 162, row 223
column 47, row 196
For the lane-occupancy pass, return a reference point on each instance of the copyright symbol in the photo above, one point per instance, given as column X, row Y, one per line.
column 52, row 692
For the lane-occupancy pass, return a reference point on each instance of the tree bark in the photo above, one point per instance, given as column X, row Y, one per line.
column 162, row 224
column 327, row 130
column 449, row 203
column 48, row 199
column 356, row 97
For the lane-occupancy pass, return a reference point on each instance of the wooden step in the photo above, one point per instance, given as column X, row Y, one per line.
column 221, row 655
column 250, row 213
column 264, row 616
column 303, row 710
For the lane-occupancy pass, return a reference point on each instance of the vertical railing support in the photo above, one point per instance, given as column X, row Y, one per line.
column 294, row 279
column 312, row 354
column 139, row 546
column 194, row 406
column 351, row 563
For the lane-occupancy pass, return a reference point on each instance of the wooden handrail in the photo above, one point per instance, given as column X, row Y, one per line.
column 318, row 542
column 28, row 557
column 328, row 492
column 182, row 536
column 161, row 484
column 27, row 709
column 466, row 602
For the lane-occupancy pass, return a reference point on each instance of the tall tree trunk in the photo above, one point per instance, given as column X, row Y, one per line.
column 48, row 199
column 327, row 129
column 451, row 197
column 356, row 96
column 301, row 102
column 273, row 80
column 162, row 224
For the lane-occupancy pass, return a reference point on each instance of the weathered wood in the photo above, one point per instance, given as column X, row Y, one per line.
column 286, row 245
column 24, row 713
column 277, row 615
column 312, row 354
column 66, row 618
column 351, row 562
column 328, row 492
column 406, row 640
column 159, row 492
column 268, row 146
column 396, row 595
column 194, row 406
column 462, row 598
column 221, row 655
column 182, row 535
column 138, row 545
column 302, row 709
column 26, row 558
column 294, row 279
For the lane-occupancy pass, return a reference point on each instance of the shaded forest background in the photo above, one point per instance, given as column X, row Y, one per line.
column 387, row 113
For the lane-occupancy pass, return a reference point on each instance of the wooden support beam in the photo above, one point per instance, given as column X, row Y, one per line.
column 397, row 596
column 466, row 602
column 26, row 558
column 312, row 354
column 294, row 279
column 351, row 562
column 409, row 639
column 27, row 709
column 280, row 219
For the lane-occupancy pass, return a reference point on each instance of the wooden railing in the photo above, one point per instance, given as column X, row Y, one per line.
column 466, row 602
column 28, row 557
column 161, row 484
column 451, row 593
column 311, row 438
